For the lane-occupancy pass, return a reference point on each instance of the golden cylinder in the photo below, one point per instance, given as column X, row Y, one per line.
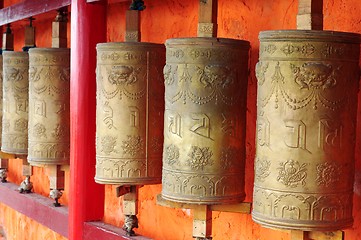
column 204, row 120
column 306, row 119
column 15, row 102
column 49, row 106
column 129, row 114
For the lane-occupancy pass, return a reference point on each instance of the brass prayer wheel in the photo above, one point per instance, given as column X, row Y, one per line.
column 49, row 106
column 204, row 120
column 130, row 106
column 15, row 102
column 306, row 119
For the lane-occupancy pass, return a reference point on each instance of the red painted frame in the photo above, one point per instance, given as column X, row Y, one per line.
column 29, row 8
column 37, row 207
column 88, row 27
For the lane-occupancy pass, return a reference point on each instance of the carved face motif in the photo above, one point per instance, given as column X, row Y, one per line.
column 121, row 75
column 215, row 75
column 316, row 74
column 14, row 74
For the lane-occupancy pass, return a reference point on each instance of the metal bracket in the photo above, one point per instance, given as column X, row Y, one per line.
column 316, row 235
column 132, row 26
column 59, row 29
column 130, row 207
column 8, row 39
column 310, row 15
column 27, row 168
column 57, row 181
column 29, row 35
column 207, row 18
column 202, row 220
column 4, row 163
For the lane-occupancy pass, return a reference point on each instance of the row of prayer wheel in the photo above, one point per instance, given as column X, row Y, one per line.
column 306, row 118
column 187, row 107
column 36, row 98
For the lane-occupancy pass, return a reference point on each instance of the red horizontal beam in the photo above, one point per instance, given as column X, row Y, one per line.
column 37, row 207
column 29, row 8
column 100, row 230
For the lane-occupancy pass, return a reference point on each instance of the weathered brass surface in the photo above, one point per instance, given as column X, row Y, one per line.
column 49, row 110
column 15, row 102
column 306, row 118
column 130, row 106
column 204, row 120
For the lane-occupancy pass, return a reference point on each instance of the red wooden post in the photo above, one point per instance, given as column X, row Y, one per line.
column 88, row 28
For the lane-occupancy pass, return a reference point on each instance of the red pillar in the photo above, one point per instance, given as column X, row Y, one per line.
column 88, row 27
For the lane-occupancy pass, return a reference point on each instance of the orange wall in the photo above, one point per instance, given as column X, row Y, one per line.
column 163, row 19
column 239, row 19
column 19, row 227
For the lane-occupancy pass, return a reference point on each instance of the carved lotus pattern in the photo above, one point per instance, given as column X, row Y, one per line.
column 199, row 157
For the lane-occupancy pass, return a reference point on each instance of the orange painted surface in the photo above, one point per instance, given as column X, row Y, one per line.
column 19, row 227
column 15, row 225
column 237, row 19
column 163, row 19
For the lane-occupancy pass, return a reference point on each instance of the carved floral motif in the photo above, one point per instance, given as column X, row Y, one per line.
column 171, row 154
column 262, row 169
column 270, row 48
column 21, row 125
column 199, row 157
column 133, row 145
column 228, row 156
column 59, row 131
column 327, row 174
column 108, row 144
column 292, row 173
column 306, row 49
column 39, row 130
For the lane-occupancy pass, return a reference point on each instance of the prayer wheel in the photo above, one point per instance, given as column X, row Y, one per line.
column 130, row 106
column 49, row 106
column 306, row 119
column 204, row 120
column 15, row 102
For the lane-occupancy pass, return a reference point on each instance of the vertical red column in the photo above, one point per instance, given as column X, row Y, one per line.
column 88, row 27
